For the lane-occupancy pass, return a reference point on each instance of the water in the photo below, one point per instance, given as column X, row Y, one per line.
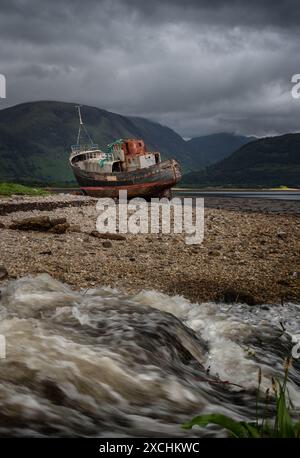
column 277, row 195
column 99, row 363
column 274, row 195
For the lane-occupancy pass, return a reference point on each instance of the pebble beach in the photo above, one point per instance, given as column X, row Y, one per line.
column 250, row 252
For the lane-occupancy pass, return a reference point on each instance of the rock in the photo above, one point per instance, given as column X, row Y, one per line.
column 107, row 235
column 59, row 228
column 46, row 252
column 74, row 228
column 2, row 226
column 36, row 223
column 282, row 235
column 3, row 272
column 232, row 295
column 296, row 274
column 214, row 253
column 91, row 279
column 283, row 282
column 57, row 221
column 41, row 223
column 107, row 244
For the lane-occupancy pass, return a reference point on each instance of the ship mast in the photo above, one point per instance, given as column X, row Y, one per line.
column 79, row 114
column 82, row 131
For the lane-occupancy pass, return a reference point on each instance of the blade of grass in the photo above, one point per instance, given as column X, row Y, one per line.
column 236, row 428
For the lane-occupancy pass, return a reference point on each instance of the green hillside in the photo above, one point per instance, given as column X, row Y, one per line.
column 35, row 140
column 209, row 149
column 271, row 161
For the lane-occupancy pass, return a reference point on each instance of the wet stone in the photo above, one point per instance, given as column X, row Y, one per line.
column 3, row 272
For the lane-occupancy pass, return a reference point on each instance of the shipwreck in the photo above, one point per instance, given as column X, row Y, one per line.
column 124, row 165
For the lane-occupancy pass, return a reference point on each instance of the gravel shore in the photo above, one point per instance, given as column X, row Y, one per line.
column 250, row 256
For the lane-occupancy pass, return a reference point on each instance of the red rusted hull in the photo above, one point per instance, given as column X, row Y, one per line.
column 154, row 181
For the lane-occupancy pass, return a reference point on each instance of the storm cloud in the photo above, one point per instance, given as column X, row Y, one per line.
column 197, row 66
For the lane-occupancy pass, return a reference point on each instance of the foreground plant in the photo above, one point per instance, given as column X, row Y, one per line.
column 282, row 426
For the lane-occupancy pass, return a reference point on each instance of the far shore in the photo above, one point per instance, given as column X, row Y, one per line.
column 15, row 189
column 207, row 189
column 216, row 189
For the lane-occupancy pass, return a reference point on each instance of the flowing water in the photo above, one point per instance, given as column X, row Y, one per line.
column 99, row 363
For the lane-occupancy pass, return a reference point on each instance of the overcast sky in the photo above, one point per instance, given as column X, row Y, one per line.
column 197, row 66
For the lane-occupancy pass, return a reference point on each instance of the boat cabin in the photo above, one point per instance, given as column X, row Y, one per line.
column 121, row 156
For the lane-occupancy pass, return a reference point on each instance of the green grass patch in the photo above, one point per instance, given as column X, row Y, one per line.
column 9, row 189
column 283, row 188
column 282, row 425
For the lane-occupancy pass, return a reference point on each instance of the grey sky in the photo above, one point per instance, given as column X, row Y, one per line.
column 197, row 66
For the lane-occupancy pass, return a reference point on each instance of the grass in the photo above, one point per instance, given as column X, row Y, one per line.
column 9, row 189
column 283, row 188
column 282, row 425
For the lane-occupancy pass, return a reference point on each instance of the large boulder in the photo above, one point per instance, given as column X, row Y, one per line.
column 34, row 223
column 41, row 223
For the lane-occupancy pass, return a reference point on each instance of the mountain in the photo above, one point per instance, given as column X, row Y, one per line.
column 35, row 139
column 270, row 161
column 209, row 149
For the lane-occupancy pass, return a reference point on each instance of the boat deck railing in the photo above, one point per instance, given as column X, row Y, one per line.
column 82, row 148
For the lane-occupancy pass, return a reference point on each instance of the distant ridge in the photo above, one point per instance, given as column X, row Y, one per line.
column 267, row 162
column 212, row 148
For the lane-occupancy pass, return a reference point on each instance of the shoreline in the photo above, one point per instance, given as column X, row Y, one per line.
column 249, row 254
column 220, row 189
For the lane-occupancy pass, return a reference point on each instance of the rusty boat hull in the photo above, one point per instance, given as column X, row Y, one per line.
column 154, row 181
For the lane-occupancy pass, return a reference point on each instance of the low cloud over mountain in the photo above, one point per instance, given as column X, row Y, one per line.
column 198, row 66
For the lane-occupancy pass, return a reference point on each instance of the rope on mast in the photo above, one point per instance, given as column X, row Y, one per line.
column 82, row 127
